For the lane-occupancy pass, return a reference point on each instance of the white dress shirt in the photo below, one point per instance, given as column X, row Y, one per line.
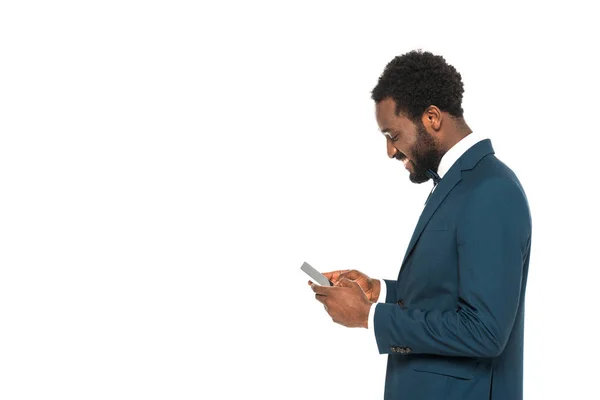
column 446, row 163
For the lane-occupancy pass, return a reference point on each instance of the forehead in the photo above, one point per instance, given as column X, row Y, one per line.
column 385, row 110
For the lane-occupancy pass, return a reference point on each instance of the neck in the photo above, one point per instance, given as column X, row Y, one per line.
column 459, row 131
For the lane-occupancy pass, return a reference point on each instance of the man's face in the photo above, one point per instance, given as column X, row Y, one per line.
column 407, row 141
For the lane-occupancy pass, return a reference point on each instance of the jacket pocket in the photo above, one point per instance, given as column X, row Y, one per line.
column 455, row 367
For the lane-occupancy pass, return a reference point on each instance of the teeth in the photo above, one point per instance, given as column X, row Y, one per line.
column 405, row 161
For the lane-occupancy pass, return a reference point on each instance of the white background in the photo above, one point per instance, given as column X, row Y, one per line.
column 166, row 167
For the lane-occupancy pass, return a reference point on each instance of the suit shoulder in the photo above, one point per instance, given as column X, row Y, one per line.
column 490, row 168
column 497, row 188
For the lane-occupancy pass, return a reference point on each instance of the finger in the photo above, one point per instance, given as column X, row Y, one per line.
column 334, row 275
column 310, row 283
column 320, row 298
column 322, row 290
column 344, row 282
column 351, row 274
column 354, row 286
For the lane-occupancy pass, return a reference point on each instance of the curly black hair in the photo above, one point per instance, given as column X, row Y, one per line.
column 418, row 79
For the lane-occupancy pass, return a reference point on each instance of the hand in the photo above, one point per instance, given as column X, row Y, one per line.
column 371, row 287
column 346, row 303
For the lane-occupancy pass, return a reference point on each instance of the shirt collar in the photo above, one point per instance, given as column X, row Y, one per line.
column 456, row 152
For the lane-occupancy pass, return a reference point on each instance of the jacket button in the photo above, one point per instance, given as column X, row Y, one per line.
column 400, row 302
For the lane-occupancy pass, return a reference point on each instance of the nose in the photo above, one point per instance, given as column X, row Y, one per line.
column 391, row 150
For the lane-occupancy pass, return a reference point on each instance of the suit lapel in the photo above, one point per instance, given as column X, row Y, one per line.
column 437, row 197
column 467, row 161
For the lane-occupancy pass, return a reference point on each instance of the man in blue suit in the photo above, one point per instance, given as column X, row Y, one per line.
column 452, row 322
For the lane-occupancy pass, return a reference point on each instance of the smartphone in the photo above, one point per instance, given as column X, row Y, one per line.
column 316, row 275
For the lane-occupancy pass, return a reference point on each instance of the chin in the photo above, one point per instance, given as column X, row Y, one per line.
column 418, row 178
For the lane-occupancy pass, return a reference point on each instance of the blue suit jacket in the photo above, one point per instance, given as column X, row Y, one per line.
column 452, row 323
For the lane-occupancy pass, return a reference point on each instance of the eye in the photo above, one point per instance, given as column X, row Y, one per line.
column 395, row 138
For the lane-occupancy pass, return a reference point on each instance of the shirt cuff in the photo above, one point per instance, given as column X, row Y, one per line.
column 371, row 316
column 381, row 299
column 382, row 291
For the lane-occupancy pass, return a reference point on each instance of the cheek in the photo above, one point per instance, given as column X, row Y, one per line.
column 417, row 147
column 408, row 149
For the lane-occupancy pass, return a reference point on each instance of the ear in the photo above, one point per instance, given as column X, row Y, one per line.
column 432, row 118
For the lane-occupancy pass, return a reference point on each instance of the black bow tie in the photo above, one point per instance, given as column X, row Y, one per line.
column 434, row 176
column 436, row 179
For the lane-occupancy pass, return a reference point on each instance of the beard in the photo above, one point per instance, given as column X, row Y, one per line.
column 427, row 155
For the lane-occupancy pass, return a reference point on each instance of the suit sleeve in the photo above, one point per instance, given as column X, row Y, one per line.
column 493, row 239
column 390, row 287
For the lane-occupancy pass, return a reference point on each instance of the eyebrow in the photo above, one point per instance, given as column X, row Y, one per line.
column 386, row 132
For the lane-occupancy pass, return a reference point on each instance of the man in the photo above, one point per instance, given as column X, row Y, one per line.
column 452, row 322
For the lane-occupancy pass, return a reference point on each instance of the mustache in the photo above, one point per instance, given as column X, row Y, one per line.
column 400, row 156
